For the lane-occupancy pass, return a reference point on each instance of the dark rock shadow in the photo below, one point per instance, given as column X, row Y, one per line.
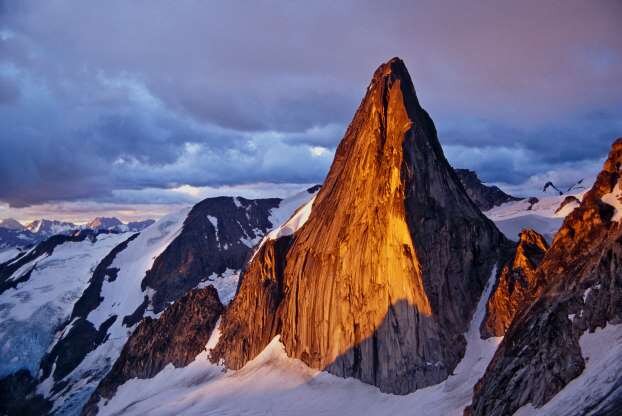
column 407, row 351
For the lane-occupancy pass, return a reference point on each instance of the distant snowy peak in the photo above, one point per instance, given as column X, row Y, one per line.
column 13, row 234
column 581, row 185
column 116, row 225
column 543, row 214
column 136, row 226
column 11, row 224
column 44, row 227
column 104, row 223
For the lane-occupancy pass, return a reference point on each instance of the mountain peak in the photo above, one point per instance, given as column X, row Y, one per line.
column 394, row 68
column 50, row 227
column 389, row 73
column 11, row 224
column 99, row 223
column 361, row 288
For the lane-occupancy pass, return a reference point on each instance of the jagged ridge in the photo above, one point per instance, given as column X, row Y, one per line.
column 578, row 288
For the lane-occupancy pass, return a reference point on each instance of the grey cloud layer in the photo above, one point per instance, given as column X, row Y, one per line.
column 101, row 97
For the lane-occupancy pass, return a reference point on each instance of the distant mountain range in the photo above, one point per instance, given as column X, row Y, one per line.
column 14, row 234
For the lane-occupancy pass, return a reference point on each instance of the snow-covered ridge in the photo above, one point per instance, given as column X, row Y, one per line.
column 543, row 216
column 301, row 215
column 289, row 216
column 125, row 294
column 275, row 384
column 31, row 311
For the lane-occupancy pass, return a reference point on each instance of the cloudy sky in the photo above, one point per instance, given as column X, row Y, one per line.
column 138, row 107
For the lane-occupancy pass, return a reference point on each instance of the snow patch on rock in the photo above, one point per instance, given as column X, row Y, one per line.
column 614, row 198
column 512, row 217
column 294, row 223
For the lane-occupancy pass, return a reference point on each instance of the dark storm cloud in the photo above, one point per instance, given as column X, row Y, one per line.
column 108, row 96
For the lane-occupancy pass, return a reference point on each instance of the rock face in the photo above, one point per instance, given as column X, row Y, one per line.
column 515, row 284
column 382, row 279
column 581, row 281
column 217, row 235
column 18, row 396
column 485, row 197
column 175, row 338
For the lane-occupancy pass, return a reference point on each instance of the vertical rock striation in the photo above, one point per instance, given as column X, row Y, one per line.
column 578, row 288
column 382, row 279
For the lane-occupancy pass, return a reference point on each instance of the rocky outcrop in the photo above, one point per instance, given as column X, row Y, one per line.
column 570, row 201
column 18, row 396
column 217, row 235
column 176, row 337
column 550, row 187
column 581, row 289
column 514, row 285
column 381, row 281
column 80, row 338
column 485, row 197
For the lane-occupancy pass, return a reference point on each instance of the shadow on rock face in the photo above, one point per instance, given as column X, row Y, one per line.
column 403, row 354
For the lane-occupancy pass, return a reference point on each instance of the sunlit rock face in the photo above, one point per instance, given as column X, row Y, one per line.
column 515, row 285
column 381, row 281
column 578, row 288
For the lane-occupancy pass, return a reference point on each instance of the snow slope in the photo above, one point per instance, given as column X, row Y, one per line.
column 602, row 350
column 226, row 284
column 297, row 220
column 124, row 295
column 31, row 312
column 514, row 216
column 8, row 253
column 274, row 384
column 121, row 297
column 289, row 205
